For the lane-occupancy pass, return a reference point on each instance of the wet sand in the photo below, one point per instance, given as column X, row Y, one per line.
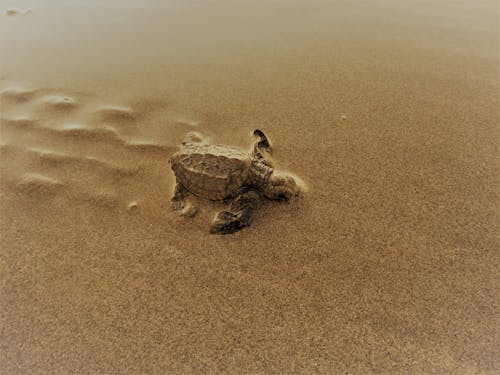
column 387, row 110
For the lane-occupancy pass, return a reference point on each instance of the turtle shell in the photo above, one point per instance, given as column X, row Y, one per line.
column 211, row 171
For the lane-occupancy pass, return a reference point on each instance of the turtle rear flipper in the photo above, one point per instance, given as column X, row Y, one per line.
column 241, row 214
column 180, row 204
column 194, row 137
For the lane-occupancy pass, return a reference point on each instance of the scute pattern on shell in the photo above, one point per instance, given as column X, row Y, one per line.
column 211, row 171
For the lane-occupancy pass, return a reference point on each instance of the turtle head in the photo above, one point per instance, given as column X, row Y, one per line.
column 274, row 185
column 280, row 186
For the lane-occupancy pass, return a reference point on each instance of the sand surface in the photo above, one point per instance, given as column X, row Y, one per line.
column 388, row 110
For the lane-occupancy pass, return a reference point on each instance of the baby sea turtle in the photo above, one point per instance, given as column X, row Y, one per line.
column 219, row 172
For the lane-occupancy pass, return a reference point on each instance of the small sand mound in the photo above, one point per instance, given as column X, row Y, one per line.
column 116, row 113
column 17, row 93
column 59, row 102
column 12, row 12
column 132, row 206
column 38, row 183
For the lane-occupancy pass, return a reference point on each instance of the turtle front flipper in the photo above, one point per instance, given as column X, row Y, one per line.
column 180, row 204
column 262, row 145
column 240, row 214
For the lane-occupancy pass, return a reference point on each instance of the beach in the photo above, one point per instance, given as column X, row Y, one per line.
column 388, row 261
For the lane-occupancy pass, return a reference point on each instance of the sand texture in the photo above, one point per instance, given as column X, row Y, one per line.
column 387, row 110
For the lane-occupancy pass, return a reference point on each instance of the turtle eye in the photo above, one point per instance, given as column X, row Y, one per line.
column 282, row 197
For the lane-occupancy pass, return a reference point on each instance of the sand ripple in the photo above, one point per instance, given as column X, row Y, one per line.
column 59, row 102
column 88, row 132
column 50, row 146
column 145, row 146
column 79, row 131
column 116, row 113
column 16, row 12
column 17, row 93
column 56, row 158
column 105, row 199
column 21, row 122
column 38, row 183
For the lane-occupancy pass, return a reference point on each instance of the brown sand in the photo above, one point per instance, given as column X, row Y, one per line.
column 387, row 109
